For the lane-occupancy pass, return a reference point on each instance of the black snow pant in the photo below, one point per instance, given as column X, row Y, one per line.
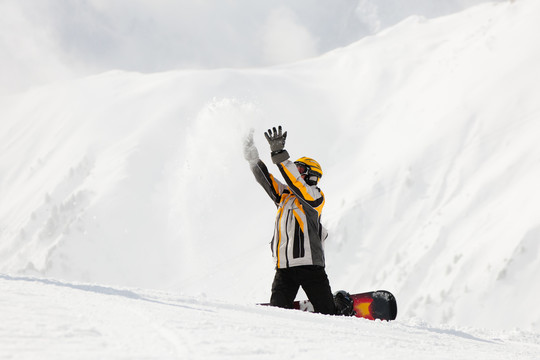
column 313, row 280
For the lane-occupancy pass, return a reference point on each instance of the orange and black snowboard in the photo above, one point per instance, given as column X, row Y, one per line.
column 380, row 304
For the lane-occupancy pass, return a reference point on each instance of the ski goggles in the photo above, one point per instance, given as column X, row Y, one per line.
column 302, row 168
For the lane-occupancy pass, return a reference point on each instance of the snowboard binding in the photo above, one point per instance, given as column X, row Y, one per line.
column 344, row 303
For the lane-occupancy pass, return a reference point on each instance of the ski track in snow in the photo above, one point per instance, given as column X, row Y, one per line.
column 50, row 319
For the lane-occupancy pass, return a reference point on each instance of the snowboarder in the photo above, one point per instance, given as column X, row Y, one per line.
column 297, row 244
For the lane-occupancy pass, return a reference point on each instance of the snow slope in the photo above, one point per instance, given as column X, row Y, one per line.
column 87, row 321
column 427, row 137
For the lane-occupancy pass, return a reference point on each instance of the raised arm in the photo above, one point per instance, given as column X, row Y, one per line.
column 271, row 185
column 309, row 195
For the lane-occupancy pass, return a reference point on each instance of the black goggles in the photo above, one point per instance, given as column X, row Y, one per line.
column 302, row 168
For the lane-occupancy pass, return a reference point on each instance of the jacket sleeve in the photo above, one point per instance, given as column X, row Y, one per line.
column 310, row 195
column 271, row 185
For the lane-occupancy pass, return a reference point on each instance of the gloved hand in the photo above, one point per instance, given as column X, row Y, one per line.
column 276, row 139
column 251, row 154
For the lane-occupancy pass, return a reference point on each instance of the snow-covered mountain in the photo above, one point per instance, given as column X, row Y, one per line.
column 426, row 133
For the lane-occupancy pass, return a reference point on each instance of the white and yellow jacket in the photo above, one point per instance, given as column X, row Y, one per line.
column 298, row 234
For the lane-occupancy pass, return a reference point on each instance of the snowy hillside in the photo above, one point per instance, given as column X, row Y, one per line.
column 72, row 320
column 427, row 135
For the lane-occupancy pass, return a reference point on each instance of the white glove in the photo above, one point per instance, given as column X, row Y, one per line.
column 251, row 154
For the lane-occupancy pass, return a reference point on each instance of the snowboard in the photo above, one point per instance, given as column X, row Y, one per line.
column 380, row 304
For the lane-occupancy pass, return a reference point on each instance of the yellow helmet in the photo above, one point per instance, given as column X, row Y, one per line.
column 312, row 167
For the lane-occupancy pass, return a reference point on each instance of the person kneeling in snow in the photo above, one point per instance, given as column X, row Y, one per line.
column 297, row 245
